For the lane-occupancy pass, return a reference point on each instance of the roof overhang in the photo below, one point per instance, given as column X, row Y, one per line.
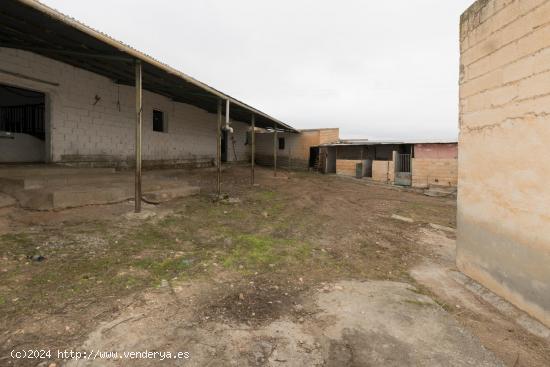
column 357, row 143
column 34, row 27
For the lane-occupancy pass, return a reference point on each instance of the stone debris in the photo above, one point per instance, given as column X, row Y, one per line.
column 442, row 228
column 403, row 219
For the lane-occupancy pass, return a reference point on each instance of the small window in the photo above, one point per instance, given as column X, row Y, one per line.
column 158, row 121
column 281, row 143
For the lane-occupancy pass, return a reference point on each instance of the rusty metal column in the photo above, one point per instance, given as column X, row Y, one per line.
column 253, row 153
column 275, row 151
column 139, row 114
column 219, row 149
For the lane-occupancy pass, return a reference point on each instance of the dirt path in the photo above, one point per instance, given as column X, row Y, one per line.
column 301, row 271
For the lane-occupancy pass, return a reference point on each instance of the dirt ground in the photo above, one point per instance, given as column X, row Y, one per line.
column 300, row 270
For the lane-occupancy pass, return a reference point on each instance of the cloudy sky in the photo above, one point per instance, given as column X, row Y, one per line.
column 376, row 69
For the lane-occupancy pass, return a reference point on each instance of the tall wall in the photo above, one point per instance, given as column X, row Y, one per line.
column 504, row 193
column 80, row 131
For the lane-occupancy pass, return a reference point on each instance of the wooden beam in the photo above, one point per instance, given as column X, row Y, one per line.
column 139, row 115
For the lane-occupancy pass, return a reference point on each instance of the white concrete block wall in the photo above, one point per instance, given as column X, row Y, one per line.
column 242, row 151
column 78, row 130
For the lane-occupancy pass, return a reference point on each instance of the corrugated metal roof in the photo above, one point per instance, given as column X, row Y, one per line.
column 35, row 27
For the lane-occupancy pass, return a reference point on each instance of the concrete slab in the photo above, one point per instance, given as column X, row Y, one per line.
column 47, row 188
column 48, row 170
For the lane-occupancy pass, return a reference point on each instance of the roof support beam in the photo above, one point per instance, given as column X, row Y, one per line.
column 227, row 108
column 28, row 77
column 253, row 148
column 275, row 151
column 219, row 150
column 139, row 115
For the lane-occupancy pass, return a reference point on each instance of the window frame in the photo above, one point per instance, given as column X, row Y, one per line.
column 283, row 141
column 163, row 121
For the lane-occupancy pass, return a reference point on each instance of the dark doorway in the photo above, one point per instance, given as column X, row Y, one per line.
column 22, row 125
column 224, row 146
column 314, row 158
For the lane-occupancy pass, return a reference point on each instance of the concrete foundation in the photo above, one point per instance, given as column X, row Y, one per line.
column 47, row 188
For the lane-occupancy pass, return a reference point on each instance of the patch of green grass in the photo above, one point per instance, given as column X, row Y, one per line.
column 149, row 236
column 266, row 195
column 19, row 243
column 164, row 268
column 254, row 252
column 419, row 303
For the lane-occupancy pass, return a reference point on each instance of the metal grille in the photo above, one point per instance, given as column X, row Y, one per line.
column 27, row 119
column 404, row 163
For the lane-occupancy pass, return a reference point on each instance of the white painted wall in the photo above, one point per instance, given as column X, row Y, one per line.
column 78, row 130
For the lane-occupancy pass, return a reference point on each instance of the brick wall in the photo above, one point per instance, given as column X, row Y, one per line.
column 383, row 171
column 428, row 172
column 80, row 131
column 503, row 191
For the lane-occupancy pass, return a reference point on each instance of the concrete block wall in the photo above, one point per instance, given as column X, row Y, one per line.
column 328, row 136
column 434, row 172
column 436, row 151
column 295, row 153
column 80, row 131
column 346, row 167
column 383, row 171
column 503, row 192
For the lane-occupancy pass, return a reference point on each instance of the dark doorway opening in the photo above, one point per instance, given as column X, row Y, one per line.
column 224, row 146
column 314, row 157
column 22, row 125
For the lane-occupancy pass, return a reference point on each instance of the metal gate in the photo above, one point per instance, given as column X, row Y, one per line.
column 403, row 174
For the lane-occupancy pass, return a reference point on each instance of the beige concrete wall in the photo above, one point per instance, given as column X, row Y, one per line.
column 383, row 171
column 504, row 192
column 430, row 172
column 346, row 167
column 79, row 131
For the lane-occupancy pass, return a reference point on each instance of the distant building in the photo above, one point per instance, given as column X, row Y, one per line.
column 420, row 164
column 297, row 151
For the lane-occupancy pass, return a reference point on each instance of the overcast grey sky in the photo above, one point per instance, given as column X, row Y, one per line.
column 376, row 69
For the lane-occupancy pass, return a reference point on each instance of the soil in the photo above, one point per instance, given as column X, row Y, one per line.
column 301, row 270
